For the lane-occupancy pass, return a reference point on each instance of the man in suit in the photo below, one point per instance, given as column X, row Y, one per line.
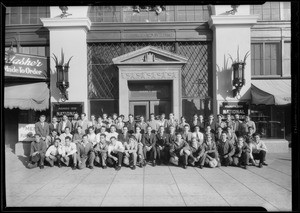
column 197, row 157
column 124, row 136
column 74, row 122
column 179, row 152
column 83, row 122
column 237, row 125
column 195, row 122
column 211, row 122
column 225, row 150
column 130, row 153
column 153, row 123
column 140, row 152
column 42, row 127
column 142, row 124
column 130, row 124
column 162, row 140
column 86, row 155
column 53, row 124
column 149, row 145
column 63, row 124
column 172, row 121
column 50, row 139
column 37, row 152
column 100, row 150
column 210, row 150
column 187, row 135
column 201, row 123
column 242, row 153
column 197, row 134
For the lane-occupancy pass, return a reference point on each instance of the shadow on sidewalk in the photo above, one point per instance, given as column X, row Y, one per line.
column 24, row 160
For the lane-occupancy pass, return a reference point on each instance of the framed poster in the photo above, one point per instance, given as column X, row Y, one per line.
column 69, row 108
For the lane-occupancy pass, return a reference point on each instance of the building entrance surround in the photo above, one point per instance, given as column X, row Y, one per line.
column 152, row 66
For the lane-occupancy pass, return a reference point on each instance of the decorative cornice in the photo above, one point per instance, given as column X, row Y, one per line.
column 59, row 23
column 232, row 20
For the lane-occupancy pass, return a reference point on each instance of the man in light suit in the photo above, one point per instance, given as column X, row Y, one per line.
column 42, row 127
column 63, row 124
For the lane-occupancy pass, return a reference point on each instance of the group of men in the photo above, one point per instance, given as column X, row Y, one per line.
column 109, row 141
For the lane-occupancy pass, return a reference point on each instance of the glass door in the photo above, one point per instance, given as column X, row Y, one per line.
column 138, row 108
column 158, row 107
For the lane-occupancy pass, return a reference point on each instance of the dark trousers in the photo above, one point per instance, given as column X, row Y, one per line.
column 86, row 159
column 261, row 156
column 38, row 158
column 112, row 163
column 226, row 161
column 53, row 159
column 162, row 155
column 183, row 159
column 100, row 158
column 192, row 159
column 243, row 160
column 152, row 153
column 213, row 154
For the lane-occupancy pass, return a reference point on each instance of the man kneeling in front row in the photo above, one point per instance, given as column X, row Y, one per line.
column 180, row 150
column 37, row 152
column 69, row 153
column 115, row 153
column 86, row 153
column 54, row 152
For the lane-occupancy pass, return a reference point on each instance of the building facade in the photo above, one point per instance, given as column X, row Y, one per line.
column 142, row 60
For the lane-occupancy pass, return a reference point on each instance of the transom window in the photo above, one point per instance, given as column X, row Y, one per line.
column 272, row 11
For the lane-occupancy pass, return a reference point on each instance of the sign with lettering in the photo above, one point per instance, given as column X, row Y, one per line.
column 240, row 108
column 27, row 66
column 26, row 132
column 69, row 109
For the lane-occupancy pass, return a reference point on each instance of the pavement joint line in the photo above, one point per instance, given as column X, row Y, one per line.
column 249, row 188
column 177, row 186
column 109, row 188
column 73, row 188
column 269, row 180
column 34, row 191
column 278, row 170
column 212, row 185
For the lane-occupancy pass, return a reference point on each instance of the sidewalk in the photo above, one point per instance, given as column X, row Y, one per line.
column 269, row 186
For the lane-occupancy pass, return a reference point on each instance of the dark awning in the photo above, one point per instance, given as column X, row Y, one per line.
column 27, row 96
column 271, row 92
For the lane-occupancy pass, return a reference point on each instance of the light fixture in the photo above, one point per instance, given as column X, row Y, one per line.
column 62, row 71
column 10, row 52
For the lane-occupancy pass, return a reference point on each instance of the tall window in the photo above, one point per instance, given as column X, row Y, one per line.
column 265, row 59
column 26, row 15
column 287, row 59
column 272, row 11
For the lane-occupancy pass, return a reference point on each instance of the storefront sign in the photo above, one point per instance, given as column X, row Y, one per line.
column 26, row 132
column 27, row 66
column 240, row 108
column 69, row 109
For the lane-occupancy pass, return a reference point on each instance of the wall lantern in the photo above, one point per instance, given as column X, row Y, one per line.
column 238, row 71
column 62, row 71
column 10, row 52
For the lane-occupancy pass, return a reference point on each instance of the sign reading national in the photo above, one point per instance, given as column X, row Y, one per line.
column 240, row 108
column 27, row 66
column 69, row 109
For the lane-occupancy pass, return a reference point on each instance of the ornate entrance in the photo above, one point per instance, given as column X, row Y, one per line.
column 147, row 97
column 150, row 82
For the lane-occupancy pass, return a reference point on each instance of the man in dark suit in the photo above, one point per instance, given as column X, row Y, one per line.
column 63, row 124
column 162, row 140
column 201, row 123
column 225, row 150
column 42, row 127
column 124, row 136
column 149, row 145
column 53, row 124
column 86, row 153
column 37, row 152
column 130, row 124
column 212, row 123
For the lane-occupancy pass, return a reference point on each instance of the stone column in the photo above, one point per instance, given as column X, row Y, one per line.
column 230, row 33
column 69, row 34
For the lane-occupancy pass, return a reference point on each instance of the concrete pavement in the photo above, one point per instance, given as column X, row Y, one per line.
column 269, row 186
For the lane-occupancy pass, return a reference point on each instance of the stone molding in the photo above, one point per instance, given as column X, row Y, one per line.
column 149, row 75
column 224, row 20
column 66, row 23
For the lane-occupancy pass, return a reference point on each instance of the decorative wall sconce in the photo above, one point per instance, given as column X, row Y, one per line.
column 62, row 71
column 64, row 10
column 238, row 70
column 10, row 52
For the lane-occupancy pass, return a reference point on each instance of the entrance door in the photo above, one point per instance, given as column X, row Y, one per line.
column 145, row 108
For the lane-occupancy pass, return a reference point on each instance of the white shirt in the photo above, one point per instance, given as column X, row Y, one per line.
column 110, row 134
column 92, row 138
column 69, row 150
column 199, row 136
column 112, row 147
column 52, row 150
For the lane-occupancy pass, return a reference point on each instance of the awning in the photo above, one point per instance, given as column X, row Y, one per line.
column 27, row 96
column 271, row 92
